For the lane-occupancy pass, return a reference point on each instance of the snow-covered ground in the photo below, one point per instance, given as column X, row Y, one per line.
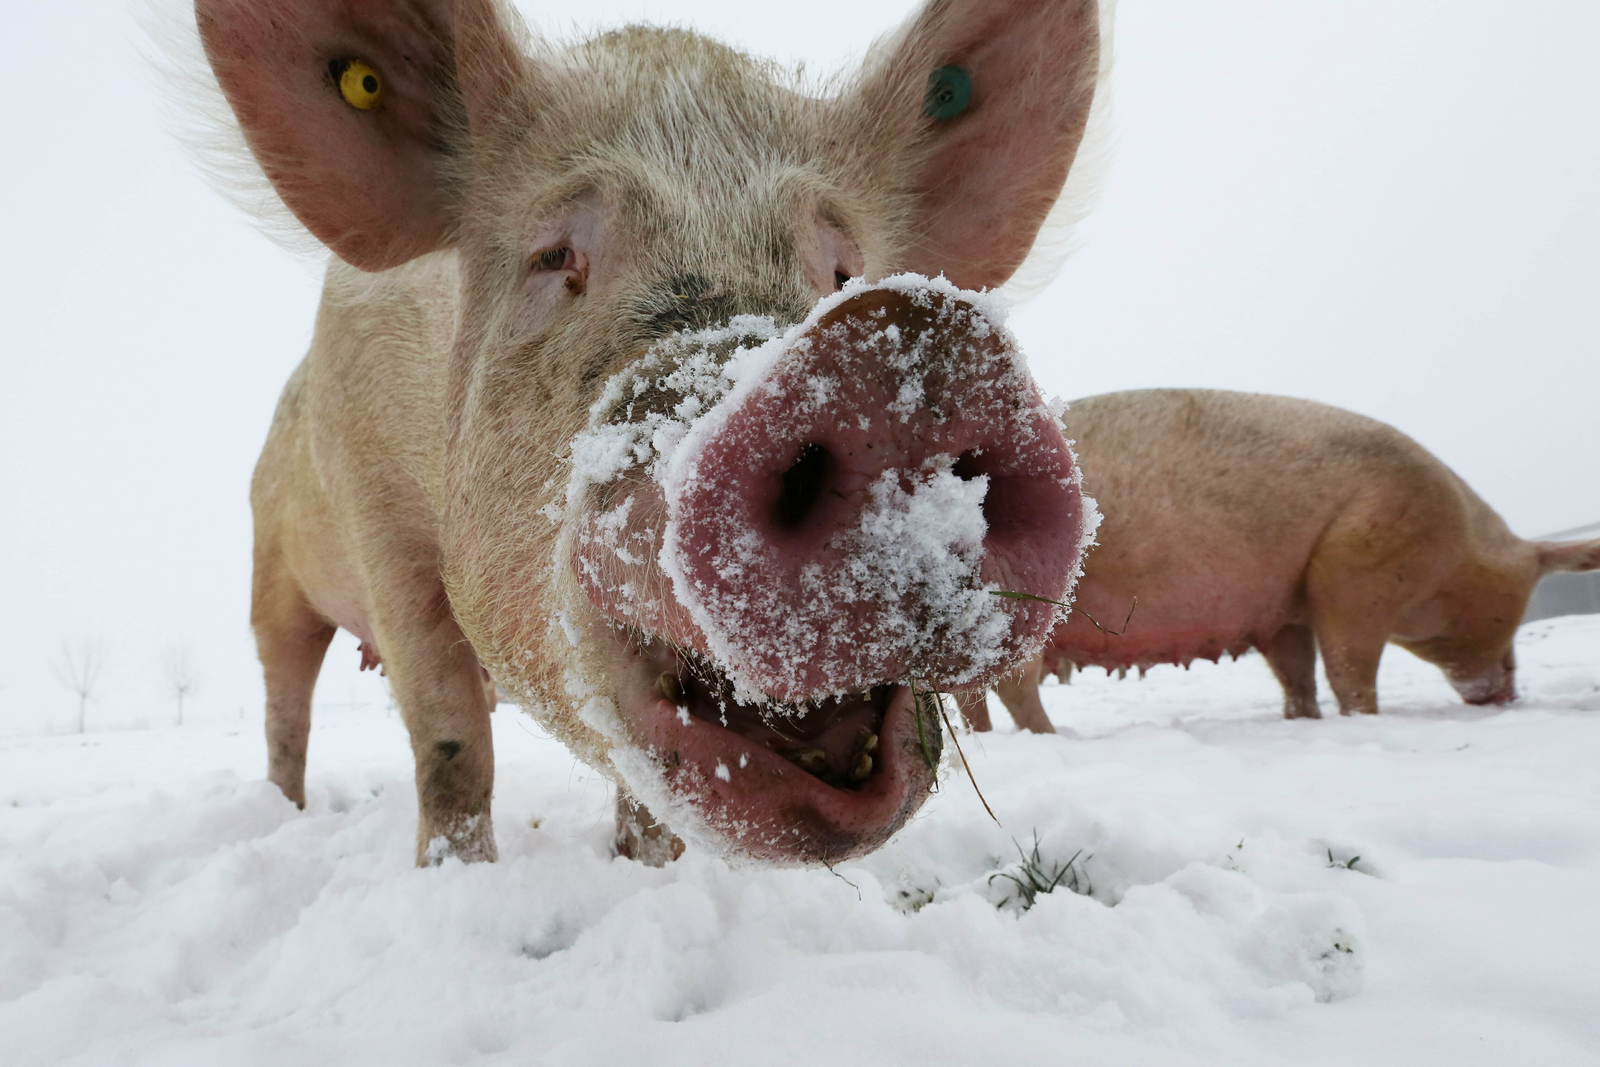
column 159, row 904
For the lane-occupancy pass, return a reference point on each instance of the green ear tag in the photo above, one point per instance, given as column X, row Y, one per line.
column 949, row 91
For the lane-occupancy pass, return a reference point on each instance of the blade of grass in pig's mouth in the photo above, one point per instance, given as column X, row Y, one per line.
column 835, row 739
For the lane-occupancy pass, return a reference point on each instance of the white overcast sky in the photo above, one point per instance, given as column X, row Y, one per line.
column 1386, row 205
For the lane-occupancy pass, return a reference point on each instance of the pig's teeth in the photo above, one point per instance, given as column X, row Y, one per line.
column 670, row 688
column 862, row 769
column 808, row 759
column 870, row 744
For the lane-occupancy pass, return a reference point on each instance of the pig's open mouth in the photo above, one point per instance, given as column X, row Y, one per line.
column 834, row 739
column 820, row 781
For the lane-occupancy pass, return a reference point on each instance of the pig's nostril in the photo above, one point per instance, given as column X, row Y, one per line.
column 966, row 466
column 802, row 484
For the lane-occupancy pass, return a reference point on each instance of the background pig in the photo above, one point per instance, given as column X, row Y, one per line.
column 1241, row 521
column 520, row 231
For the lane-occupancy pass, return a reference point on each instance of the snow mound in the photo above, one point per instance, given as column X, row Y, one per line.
column 153, row 915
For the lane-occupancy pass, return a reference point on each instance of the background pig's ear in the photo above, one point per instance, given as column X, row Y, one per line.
column 353, row 109
column 988, row 100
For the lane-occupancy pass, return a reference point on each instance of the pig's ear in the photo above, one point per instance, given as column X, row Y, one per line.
column 354, row 110
column 985, row 103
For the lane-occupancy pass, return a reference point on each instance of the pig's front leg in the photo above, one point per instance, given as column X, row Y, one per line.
column 1350, row 630
column 974, row 705
column 291, row 639
column 445, row 702
column 1058, row 664
column 1019, row 692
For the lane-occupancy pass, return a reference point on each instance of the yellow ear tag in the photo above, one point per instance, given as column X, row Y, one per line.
column 360, row 85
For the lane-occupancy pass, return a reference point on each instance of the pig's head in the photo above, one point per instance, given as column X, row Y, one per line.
column 720, row 486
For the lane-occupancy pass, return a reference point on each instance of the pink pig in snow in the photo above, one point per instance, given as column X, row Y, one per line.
column 1242, row 521
column 593, row 402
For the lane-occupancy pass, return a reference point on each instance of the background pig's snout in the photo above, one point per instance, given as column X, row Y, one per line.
column 846, row 523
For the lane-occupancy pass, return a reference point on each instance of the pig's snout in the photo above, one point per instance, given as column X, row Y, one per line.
column 848, row 521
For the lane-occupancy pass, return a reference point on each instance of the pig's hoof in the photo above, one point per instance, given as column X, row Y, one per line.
column 641, row 837
column 468, row 838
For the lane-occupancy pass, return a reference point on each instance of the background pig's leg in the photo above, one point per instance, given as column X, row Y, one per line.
column 291, row 639
column 1019, row 692
column 641, row 837
column 445, row 703
column 1352, row 623
column 1292, row 655
column 1351, row 661
column 974, row 705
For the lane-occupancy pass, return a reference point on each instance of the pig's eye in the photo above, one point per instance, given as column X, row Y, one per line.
column 560, row 258
column 359, row 84
column 839, row 278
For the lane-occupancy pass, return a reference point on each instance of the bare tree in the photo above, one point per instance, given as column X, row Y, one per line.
column 77, row 667
column 182, row 676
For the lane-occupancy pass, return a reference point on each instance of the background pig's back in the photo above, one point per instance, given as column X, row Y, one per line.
column 1215, row 502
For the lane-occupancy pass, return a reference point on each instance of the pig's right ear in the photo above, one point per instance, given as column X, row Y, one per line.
column 355, row 112
column 977, row 108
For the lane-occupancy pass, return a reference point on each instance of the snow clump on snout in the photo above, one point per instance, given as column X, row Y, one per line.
column 645, row 411
column 921, row 544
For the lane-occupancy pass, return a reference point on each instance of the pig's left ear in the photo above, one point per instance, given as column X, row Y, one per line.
column 984, row 103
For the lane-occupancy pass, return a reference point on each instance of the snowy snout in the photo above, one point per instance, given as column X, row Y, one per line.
column 846, row 515
column 789, row 532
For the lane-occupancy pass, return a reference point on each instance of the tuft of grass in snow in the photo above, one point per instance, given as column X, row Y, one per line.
column 1347, row 864
column 911, row 899
column 1033, row 876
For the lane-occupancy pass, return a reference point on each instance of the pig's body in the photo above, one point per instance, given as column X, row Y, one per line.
column 1244, row 521
column 346, row 499
column 547, row 251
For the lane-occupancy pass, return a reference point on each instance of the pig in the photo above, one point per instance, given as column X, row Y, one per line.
column 770, row 297
column 1244, row 521
column 1019, row 692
